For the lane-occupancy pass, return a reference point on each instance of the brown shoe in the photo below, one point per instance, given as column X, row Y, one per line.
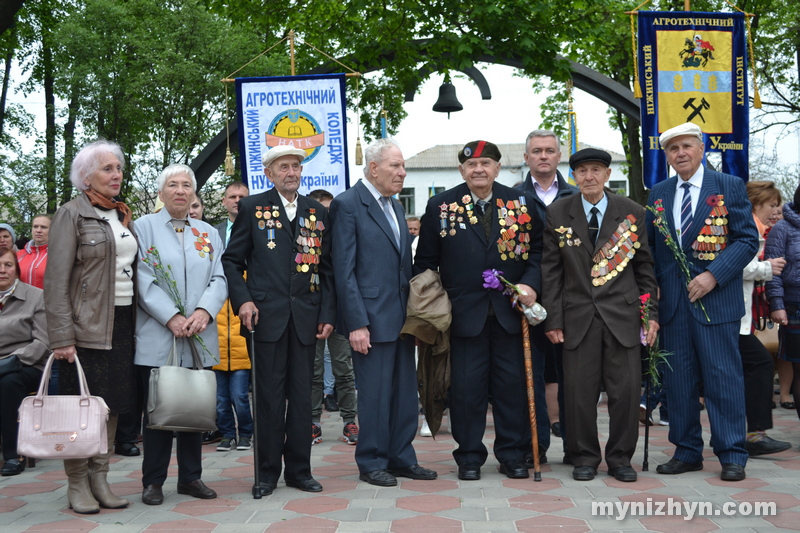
column 196, row 489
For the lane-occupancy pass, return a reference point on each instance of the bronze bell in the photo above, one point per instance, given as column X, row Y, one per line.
column 447, row 102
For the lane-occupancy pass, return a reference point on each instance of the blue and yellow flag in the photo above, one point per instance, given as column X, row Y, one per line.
column 693, row 68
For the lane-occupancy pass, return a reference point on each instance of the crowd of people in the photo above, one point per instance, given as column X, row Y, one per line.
column 290, row 285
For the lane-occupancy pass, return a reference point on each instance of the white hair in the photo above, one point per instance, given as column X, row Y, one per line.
column 376, row 151
column 173, row 170
column 88, row 161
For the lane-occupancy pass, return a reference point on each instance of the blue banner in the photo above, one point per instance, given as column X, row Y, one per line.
column 307, row 112
column 693, row 68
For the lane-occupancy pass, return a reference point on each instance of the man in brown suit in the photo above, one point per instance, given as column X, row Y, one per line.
column 595, row 266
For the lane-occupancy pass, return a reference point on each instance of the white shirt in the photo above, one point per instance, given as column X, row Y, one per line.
column 290, row 208
column 371, row 188
column 696, row 182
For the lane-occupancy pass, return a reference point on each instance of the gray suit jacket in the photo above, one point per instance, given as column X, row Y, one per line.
column 372, row 273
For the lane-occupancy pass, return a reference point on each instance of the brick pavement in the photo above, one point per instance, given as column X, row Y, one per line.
column 36, row 500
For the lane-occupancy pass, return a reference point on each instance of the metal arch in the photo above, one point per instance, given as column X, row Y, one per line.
column 589, row 80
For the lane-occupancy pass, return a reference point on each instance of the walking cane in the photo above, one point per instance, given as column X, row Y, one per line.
column 645, row 464
column 256, row 483
column 526, row 348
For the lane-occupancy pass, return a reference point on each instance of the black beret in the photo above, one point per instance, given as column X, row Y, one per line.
column 589, row 155
column 479, row 149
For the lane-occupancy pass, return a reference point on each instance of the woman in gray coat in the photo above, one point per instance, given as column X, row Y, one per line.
column 192, row 250
column 89, row 296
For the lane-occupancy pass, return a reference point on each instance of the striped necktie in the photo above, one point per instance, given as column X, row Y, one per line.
column 686, row 210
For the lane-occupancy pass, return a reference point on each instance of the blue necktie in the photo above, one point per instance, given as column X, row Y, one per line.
column 387, row 210
column 686, row 210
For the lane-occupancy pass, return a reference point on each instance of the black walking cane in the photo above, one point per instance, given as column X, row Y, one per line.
column 647, row 411
column 256, row 483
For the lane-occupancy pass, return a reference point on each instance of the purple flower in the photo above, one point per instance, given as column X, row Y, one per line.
column 491, row 279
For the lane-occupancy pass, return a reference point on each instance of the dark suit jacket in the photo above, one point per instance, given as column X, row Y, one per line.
column 569, row 296
column 564, row 189
column 462, row 258
column 372, row 273
column 724, row 303
column 273, row 282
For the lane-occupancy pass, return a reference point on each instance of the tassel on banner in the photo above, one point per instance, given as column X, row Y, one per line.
column 359, row 152
column 637, row 89
column 228, row 162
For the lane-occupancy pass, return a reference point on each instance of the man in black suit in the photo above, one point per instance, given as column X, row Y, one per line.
column 466, row 230
column 281, row 239
column 546, row 185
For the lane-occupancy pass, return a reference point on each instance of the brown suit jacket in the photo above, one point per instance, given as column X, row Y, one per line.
column 568, row 294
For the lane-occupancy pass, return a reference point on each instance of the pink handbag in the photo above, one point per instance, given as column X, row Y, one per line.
column 62, row 427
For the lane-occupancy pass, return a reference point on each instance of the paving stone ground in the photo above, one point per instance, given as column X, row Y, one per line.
column 36, row 500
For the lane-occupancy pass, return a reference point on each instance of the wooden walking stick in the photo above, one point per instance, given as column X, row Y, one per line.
column 526, row 348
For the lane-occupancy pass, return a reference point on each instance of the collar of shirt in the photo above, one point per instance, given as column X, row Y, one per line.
column 601, row 206
column 289, row 207
column 372, row 190
column 475, row 198
column 546, row 195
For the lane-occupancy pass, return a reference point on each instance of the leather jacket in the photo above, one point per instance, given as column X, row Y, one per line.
column 79, row 283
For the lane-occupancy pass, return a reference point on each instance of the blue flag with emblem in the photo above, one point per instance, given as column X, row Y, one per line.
column 693, row 68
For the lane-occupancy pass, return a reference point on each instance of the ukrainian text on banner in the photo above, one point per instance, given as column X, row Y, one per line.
column 306, row 112
column 693, row 68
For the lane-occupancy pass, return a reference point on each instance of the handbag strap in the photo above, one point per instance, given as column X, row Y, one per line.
column 197, row 362
column 45, row 381
column 173, row 354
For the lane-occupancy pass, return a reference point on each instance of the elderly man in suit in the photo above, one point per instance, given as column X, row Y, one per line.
column 596, row 265
column 372, row 264
column 477, row 226
column 281, row 238
column 710, row 219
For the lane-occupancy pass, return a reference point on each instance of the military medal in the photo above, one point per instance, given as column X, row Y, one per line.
column 616, row 253
column 271, row 239
column 203, row 244
column 258, row 212
column 261, row 224
column 713, row 236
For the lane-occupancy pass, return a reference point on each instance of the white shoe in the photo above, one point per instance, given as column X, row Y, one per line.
column 425, row 430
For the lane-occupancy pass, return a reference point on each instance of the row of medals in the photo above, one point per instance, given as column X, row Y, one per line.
column 309, row 242
column 203, row 244
column 615, row 254
column 513, row 216
column 713, row 236
column 454, row 214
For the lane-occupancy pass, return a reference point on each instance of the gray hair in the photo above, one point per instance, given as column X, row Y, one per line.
column 542, row 133
column 376, row 151
column 88, row 161
column 173, row 170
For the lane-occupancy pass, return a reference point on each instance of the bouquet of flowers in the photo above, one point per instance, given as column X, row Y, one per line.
column 493, row 279
column 660, row 222
column 166, row 281
column 655, row 355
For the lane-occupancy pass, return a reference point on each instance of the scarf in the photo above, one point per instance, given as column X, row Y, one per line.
column 98, row 200
column 5, row 295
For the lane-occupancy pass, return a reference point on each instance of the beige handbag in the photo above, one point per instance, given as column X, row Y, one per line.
column 182, row 399
column 62, row 427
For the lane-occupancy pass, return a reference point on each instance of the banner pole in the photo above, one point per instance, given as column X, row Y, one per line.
column 291, row 49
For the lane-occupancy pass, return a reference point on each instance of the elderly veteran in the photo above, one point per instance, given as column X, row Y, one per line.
column 464, row 233
column 23, row 345
column 89, row 297
column 596, row 265
column 710, row 219
column 282, row 240
column 192, row 250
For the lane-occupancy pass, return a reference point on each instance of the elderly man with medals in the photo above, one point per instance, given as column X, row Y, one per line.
column 596, row 265
column 477, row 226
column 281, row 238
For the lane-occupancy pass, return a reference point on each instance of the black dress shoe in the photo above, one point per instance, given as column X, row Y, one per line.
column 13, row 467
column 152, row 495
column 732, row 472
column 676, row 466
column 128, row 449
column 555, row 427
column 196, row 489
column 381, row 478
column 306, row 485
column 513, row 470
column 766, row 446
column 567, row 460
column 625, row 474
column 265, row 488
column 583, row 473
column 414, row 472
column 330, row 404
column 469, row 472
